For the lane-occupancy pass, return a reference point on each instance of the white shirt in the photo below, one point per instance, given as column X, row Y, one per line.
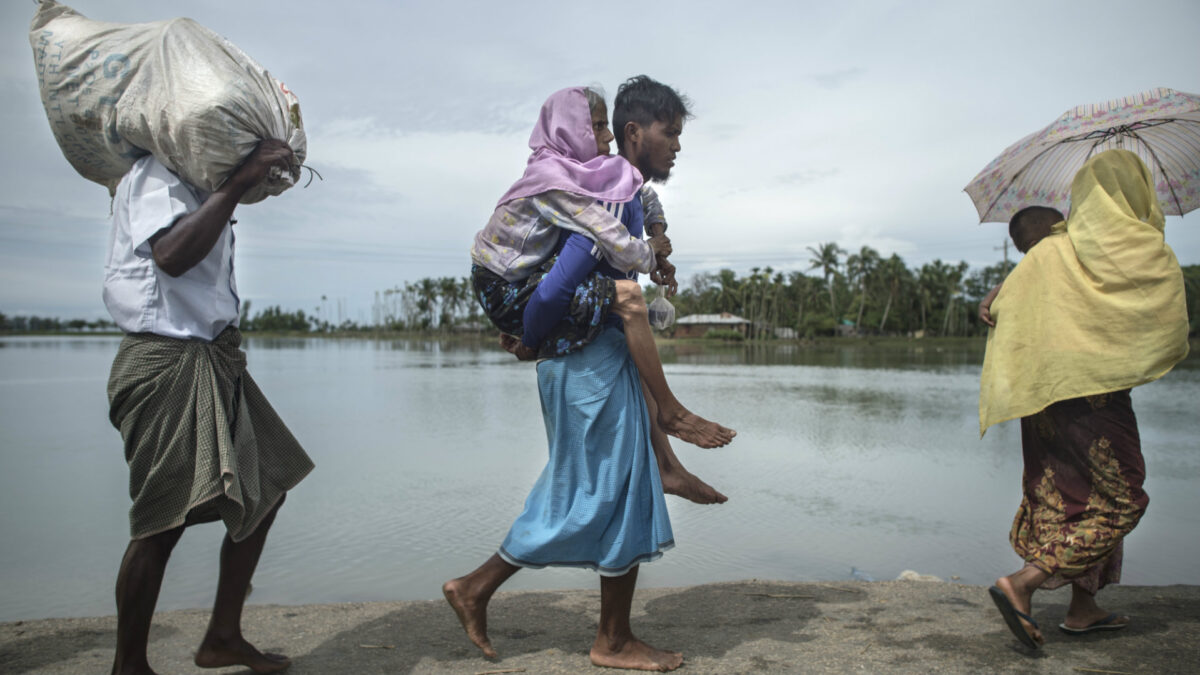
column 141, row 298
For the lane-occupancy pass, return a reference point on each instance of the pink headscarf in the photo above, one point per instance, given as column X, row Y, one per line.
column 564, row 155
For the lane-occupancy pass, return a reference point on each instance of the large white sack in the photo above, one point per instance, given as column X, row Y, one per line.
column 113, row 92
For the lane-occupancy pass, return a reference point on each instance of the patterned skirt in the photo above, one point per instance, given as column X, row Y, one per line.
column 1083, row 489
column 201, row 440
column 504, row 304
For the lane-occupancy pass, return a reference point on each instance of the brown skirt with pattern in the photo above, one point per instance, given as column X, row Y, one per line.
column 1083, row 489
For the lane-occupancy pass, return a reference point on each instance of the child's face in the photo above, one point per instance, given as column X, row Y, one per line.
column 600, row 130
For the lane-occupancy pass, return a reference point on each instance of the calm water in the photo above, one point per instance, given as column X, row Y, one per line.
column 846, row 459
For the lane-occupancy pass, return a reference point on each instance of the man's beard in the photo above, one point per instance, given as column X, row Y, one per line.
column 652, row 176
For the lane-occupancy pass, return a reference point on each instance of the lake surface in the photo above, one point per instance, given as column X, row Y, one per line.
column 849, row 463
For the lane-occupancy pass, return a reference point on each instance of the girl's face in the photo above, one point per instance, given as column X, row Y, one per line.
column 600, row 129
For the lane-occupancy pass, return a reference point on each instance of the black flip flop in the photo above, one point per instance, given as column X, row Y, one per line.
column 1012, row 617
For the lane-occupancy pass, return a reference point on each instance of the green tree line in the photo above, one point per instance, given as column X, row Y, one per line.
column 46, row 324
column 843, row 292
column 839, row 292
column 863, row 293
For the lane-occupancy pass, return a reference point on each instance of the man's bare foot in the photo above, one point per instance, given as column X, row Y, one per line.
column 683, row 483
column 1022, row 600
column 688, row 426
column 217, row 653
column 471, row 615
column 633, row 654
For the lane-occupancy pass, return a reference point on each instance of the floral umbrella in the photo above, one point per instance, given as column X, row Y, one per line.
column 1161, row 125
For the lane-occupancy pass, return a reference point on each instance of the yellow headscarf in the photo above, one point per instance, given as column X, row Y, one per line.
column 1097, row 306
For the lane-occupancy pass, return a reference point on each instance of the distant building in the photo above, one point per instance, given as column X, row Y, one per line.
column 846, row 328
column 696, row 325
column 471, row 327
column 786, row 333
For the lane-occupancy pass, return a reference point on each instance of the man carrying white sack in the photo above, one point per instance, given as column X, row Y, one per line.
column 202, row 442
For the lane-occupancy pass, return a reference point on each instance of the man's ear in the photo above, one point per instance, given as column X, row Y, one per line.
column 633, row 132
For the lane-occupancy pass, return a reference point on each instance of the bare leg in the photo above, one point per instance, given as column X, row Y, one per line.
column 676, row 480
column 469, row 596
column 674, row 419
column 223, row 644
column 1018, row 588
column 1084, row 611
column 138, row 583
column 615, row 645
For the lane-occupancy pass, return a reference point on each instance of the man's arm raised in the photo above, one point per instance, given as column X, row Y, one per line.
column 189, row 239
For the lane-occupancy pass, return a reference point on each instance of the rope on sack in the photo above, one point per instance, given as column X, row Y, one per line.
column 311, row 172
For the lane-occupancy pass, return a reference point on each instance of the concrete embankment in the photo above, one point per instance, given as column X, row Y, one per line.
column 741, row 627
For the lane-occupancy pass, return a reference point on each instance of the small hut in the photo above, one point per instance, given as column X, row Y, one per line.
column 696, row 325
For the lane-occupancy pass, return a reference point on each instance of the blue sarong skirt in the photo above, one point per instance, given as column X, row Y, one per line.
column 598, row 503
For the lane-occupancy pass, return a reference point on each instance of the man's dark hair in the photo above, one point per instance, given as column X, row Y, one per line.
column 1029, row 225
column 643, row 100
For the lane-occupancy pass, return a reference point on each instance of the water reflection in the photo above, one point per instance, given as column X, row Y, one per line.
column 913, row 354
column 59, row 342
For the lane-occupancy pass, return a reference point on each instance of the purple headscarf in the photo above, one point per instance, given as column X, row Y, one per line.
column 564, row 155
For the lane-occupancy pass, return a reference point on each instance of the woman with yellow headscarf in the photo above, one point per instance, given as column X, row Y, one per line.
column 1094, row 309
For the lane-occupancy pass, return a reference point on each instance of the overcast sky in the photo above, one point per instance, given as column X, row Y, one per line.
column 853, row 122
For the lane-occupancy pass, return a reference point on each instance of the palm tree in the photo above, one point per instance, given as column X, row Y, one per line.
column 729, row 291
column 861, row 267
column 891, row 273
column 449, row 290
column 827, row 258
column 776, row 289
column 761, row 294
column 419, row 300
column 392, row 307
column 756, row 292
column 953, row 279
column 802, row 287
column 930, row 282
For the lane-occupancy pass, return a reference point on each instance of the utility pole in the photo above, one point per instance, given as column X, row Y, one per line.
column 1005, row 249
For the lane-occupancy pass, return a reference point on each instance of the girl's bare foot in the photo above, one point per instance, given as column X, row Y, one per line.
column 633, row 654
column 683, row 483
column 217, row 653
column 471, row 614
column 688, row 426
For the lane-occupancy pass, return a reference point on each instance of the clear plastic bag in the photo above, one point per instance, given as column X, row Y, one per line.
column 662, row 313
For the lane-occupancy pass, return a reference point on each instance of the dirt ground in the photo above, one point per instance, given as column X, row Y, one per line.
column 728, row 628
